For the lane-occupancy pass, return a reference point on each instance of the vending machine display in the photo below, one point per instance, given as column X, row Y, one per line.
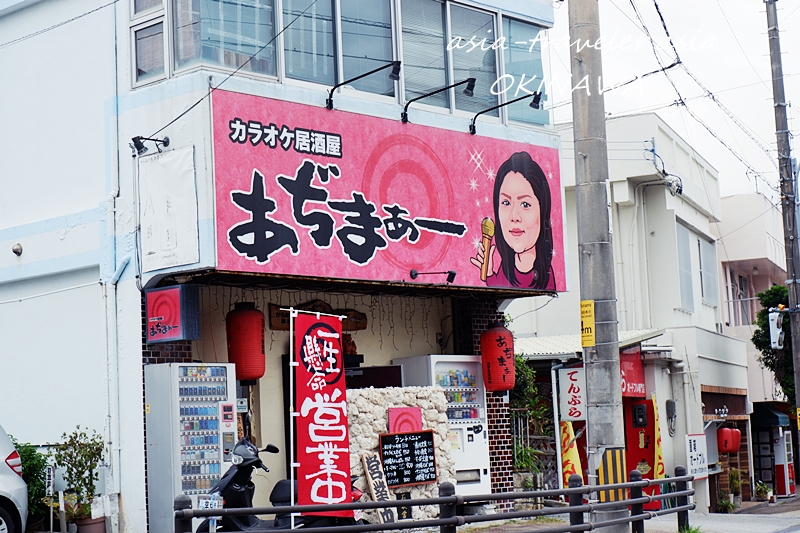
column 191, row 430
column 461, row 378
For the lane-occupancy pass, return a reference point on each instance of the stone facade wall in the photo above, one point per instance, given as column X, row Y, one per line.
column 368, row 417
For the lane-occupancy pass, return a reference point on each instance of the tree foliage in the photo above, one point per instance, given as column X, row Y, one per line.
column 778, row 361
column 34, row 466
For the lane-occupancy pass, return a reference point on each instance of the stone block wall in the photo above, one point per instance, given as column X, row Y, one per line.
column 368, row 417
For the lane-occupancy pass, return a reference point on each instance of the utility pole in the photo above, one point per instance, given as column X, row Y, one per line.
column 787, row 185
column 604, row 423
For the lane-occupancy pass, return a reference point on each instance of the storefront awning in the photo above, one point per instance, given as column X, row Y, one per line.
column 766, row 416
column 567, row 346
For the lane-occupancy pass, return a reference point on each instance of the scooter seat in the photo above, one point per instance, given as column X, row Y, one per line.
column 280, row 494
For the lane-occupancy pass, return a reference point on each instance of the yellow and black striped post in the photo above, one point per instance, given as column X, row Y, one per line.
column 612, row 471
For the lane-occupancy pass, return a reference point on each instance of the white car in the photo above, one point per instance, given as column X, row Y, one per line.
column 13, row 491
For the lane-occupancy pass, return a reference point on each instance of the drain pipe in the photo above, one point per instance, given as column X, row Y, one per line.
column 559, row 462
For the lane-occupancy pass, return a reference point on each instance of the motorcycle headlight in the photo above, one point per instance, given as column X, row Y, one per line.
column 236, row 459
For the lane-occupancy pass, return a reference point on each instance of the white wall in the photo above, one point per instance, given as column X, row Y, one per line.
column 54, row 371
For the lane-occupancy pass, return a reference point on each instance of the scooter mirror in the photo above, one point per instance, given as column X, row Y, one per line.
column 271, row 448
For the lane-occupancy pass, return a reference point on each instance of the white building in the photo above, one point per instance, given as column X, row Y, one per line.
column 83, row 78
column 664, row 201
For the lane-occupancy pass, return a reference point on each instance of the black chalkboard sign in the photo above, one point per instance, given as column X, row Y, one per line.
column 408, row 458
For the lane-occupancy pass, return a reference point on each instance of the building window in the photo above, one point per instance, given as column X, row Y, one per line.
column 142, row 6
column 367, row 43
column 685, row 268
column 424, row 50
column 478, row 62
column 744, row 300
column 308, row 42
column 149, row 52
column 523, row 63
column 708, row 270
column 225, row 33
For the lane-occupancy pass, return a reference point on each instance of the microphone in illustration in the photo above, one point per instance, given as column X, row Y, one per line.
column 487, row 228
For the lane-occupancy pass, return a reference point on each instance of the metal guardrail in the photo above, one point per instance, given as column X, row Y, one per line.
column 450, row 504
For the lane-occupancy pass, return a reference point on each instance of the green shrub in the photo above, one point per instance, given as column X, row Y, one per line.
column 724, row 504
column 527, row 459
column 34, row 466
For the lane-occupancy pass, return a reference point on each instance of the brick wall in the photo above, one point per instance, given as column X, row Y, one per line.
column 484, row 312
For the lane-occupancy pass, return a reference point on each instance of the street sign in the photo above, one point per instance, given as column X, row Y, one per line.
column 587, row 324
column 49, row 481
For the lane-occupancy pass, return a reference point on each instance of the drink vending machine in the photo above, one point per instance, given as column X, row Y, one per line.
column 190, row 412
column 461, row 378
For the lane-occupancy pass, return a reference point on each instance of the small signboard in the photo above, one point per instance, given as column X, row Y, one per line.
column 587, row 323
column 572, row 392
column 408, row 458
column 49, row 481
column 376, row 482
column 696, row 456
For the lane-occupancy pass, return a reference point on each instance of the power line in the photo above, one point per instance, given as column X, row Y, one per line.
column 682, row 102
column 54, row 26
column 229, row 76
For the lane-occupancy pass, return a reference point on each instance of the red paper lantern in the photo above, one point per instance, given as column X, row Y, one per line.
column 723, row 439
column 728, row 440
column 736, row 440
column 497, row 351
column 244, row 327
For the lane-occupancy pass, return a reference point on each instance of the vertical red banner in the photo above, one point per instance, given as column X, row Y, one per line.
column 323, row 449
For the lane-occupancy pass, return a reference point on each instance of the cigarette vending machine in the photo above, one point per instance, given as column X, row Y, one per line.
column 462, row 380
column 190, row 412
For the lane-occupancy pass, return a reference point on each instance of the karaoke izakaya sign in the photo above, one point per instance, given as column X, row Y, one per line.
column 301, row 190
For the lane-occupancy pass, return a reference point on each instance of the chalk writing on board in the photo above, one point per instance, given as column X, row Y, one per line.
column 408, row 458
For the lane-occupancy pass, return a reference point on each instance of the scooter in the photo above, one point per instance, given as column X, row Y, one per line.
column 236, row 490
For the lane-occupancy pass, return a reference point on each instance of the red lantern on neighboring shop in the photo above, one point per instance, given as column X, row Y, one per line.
column 244, row 327
column 497, row 352
column 728, row 440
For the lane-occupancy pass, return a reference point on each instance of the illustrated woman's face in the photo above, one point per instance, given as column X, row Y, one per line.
column 519, row 213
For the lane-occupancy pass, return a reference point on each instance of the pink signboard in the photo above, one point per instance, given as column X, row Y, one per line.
column 301, row 190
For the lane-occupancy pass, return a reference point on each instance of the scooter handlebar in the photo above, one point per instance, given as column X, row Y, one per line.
column 264, row 468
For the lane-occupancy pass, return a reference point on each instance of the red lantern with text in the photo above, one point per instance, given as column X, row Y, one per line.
column 497, row 353
column 726, row 441
column 245, row 331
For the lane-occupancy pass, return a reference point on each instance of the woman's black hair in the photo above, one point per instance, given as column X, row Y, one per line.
column 522, row 163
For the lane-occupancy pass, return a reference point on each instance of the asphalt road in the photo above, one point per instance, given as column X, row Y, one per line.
column 782, row 517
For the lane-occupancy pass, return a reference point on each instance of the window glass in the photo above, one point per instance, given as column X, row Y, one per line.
column 308, row 41
column 367, row 43
column 708, row 271
column 468, row 27
column 424, row 50
column 150, row 52
column 140, row 6
column 225, row 33
column 523, row 61
column 685, row 268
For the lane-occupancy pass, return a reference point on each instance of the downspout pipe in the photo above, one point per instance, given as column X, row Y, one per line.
column 559, row 461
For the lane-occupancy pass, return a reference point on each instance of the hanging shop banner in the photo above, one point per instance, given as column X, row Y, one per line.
column 301, row 190
column 572, row 392
column 323, row 476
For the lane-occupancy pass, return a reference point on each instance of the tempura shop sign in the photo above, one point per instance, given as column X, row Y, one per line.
column 301, row 190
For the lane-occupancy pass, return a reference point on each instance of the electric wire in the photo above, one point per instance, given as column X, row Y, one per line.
column 229, row 76
column 682, row 101
column 54, row 26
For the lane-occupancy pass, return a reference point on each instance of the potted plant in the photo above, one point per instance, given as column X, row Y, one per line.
column 762, row 490
column 735, row 482
column 724, row 504
column 80, row 454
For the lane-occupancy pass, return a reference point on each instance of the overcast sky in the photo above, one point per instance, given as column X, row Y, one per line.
column 724, row 44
